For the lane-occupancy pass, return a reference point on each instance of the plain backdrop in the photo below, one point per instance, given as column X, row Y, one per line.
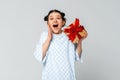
column 21, row 23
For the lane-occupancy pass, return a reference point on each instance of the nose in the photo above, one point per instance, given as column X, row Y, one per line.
column 55, row 20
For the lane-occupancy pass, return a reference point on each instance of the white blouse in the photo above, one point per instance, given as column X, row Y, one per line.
column 58, row 64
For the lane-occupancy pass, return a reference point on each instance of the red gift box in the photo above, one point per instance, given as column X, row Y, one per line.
column 75, row 31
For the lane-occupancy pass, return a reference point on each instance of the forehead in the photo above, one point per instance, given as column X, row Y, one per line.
column 55, row 14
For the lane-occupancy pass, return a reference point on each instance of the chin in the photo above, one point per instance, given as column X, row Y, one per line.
column 56, row 32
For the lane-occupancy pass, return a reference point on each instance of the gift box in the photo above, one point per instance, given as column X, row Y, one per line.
column 75, row 31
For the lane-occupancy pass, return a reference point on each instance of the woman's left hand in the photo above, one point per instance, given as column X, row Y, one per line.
column 84, row 35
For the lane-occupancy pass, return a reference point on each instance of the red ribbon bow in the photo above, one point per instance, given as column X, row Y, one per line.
column 74, row 31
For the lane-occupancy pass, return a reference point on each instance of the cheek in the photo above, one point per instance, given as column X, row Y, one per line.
column 62, row 24
column 49, row 23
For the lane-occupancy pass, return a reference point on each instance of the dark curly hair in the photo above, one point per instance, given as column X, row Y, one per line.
column 54, row 10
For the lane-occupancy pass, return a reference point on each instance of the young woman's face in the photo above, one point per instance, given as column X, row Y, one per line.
column 55, row 22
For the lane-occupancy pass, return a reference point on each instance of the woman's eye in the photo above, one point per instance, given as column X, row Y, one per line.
column 51, row 18
column 54, row 18
column 58, row 18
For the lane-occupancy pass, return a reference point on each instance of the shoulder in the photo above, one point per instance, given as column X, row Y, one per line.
column 43, row 36
column 44, row 33
column 65, row 35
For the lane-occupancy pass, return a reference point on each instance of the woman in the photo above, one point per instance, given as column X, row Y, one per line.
column 56, row 51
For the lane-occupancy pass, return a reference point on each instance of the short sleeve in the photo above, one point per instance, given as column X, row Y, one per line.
column 38, row 49
column 77, row 57
column 73, row 53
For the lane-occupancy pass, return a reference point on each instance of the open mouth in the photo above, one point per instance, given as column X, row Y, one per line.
column 56, row 25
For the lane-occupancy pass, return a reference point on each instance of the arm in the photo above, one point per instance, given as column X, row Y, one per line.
column 45, row 47
column 79, row 48
column 79, row 45
column 46, row 44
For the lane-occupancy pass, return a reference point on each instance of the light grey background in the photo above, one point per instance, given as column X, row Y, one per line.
column 21, row 23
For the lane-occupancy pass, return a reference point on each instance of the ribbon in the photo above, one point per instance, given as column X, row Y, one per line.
column 75, row 31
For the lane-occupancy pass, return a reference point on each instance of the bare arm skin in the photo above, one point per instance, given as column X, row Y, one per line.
column 79, row 45
column 46, row 43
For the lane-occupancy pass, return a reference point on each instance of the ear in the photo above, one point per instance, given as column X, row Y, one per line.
column 64, row 23
column 47, row 23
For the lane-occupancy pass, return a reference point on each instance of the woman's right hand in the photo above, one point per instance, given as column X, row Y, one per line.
column 47, row 43
column 50, row 34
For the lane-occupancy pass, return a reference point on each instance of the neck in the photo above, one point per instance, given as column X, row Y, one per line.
column 58, row 32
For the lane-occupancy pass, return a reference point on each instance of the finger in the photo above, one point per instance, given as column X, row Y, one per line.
column 49, row 29
column 85, row 33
